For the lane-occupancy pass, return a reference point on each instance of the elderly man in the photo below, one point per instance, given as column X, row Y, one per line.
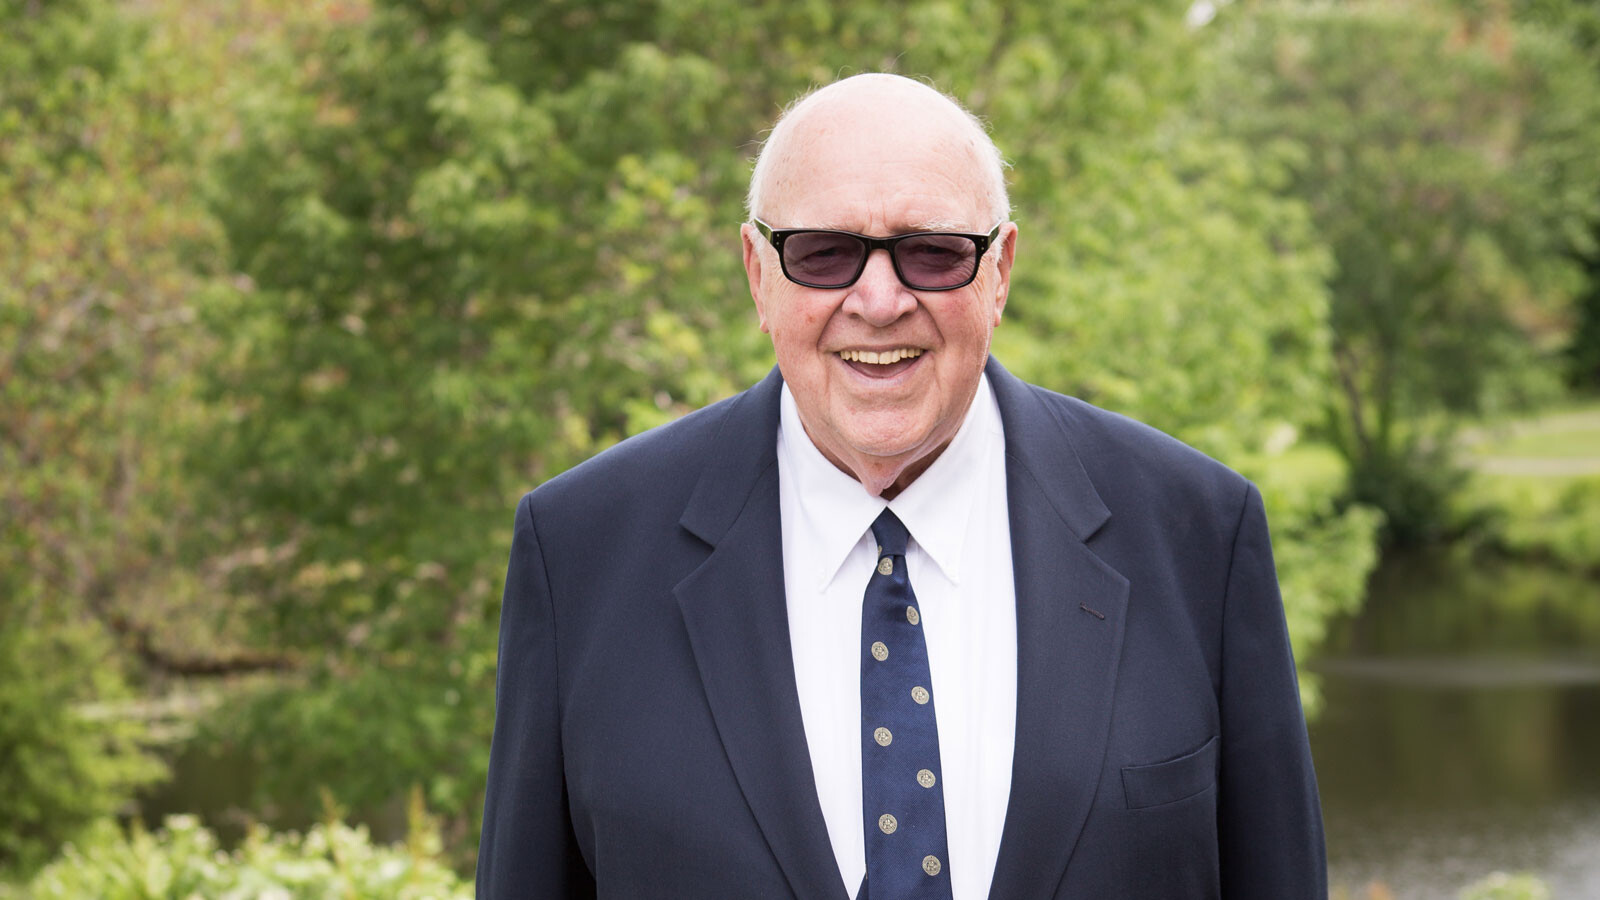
column 893, row 623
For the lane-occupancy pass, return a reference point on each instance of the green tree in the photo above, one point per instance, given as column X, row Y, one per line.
column 1583, row 351
column 1579, row 21
column 1446, row 157
column 93, row 298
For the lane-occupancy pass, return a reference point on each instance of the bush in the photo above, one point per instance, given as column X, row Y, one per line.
column 1413, row 489
column 1552, row 519
column 182, row 861
column 1501, row 886
column 60, row 767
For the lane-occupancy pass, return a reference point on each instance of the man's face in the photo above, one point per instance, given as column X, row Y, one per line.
column 863, row 171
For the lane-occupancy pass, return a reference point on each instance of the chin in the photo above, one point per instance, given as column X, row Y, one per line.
column 890, row 444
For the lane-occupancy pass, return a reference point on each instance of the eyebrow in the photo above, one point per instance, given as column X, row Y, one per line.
column 937, row 225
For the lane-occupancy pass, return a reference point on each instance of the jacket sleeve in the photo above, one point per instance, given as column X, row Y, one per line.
column 527, row 849
column 1269, row 821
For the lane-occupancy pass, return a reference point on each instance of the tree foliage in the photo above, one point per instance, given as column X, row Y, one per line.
column 1447, row 159
column 1579, row 23
column 93, row 300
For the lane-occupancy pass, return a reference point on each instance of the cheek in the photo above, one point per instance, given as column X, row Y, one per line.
column 813, row 317
column 968, row 332
column 802, row 325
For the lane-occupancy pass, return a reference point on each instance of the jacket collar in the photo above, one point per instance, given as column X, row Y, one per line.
column 1036, row 439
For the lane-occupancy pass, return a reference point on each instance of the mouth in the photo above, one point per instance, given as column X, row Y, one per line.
column 881, row 363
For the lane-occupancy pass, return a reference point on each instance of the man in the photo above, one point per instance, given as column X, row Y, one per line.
column 893, row 623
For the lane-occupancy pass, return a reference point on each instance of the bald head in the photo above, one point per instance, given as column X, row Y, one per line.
column 875, row 116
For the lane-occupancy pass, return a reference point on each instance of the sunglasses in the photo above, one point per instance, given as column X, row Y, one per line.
column 923, row 260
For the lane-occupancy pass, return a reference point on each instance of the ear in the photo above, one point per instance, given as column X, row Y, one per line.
column 752, row 268
column 1008, row 253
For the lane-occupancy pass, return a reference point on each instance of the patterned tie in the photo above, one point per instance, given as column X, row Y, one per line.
column 901, row 791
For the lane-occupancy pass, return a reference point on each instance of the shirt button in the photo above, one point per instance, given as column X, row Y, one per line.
column 887, row 824
column 879, row 651
column 919, row 694
column 883, row 737
column 912, row 615
column 930, row 864
column 885, row 566
column 925, row 778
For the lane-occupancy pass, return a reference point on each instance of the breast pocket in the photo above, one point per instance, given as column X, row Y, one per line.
column 1173, row 780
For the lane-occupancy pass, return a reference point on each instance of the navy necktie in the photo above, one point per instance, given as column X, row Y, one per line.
column 901, row 791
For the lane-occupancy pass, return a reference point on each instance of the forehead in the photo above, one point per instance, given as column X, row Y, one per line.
column 878, row 167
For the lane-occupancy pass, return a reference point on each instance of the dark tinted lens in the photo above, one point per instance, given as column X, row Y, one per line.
column 820, row 258
column 936, row 260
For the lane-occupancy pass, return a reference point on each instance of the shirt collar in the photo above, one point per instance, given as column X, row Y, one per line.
column 835, row 510
column 937, row 506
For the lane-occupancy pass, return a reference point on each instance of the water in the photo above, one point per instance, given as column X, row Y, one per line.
column 1460, row 730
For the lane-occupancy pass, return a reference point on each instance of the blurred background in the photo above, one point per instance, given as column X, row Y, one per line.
column 298, row 298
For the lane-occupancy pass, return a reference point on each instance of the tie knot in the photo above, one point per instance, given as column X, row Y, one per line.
column 890, row 533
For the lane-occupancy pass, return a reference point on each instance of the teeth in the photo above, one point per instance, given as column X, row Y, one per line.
column 881, row 359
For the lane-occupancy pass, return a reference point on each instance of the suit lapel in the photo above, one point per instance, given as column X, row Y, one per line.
column 734, row 609
column 1070, row 612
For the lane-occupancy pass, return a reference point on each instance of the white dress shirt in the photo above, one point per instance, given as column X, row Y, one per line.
column 959, row 563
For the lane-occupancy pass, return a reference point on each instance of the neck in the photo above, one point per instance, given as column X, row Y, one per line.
column 884, row 478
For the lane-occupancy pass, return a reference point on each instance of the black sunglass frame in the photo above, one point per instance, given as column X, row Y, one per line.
column 777, row 236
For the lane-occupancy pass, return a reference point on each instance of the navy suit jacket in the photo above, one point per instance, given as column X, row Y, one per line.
column 648, row 739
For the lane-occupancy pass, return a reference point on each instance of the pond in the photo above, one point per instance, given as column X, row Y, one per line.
column 1460, row 730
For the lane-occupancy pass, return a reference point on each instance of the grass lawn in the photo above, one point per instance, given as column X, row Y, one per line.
column 1566, row 442
column 1582, row 443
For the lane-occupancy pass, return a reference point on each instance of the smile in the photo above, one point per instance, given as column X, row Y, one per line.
column 880, row 357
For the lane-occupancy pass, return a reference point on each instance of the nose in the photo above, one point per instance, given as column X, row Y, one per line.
column 878, row 297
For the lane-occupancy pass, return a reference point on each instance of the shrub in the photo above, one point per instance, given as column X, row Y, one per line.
column 182, row 861
column 1553, row 519
column 61, row 768
column 1501, row 886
